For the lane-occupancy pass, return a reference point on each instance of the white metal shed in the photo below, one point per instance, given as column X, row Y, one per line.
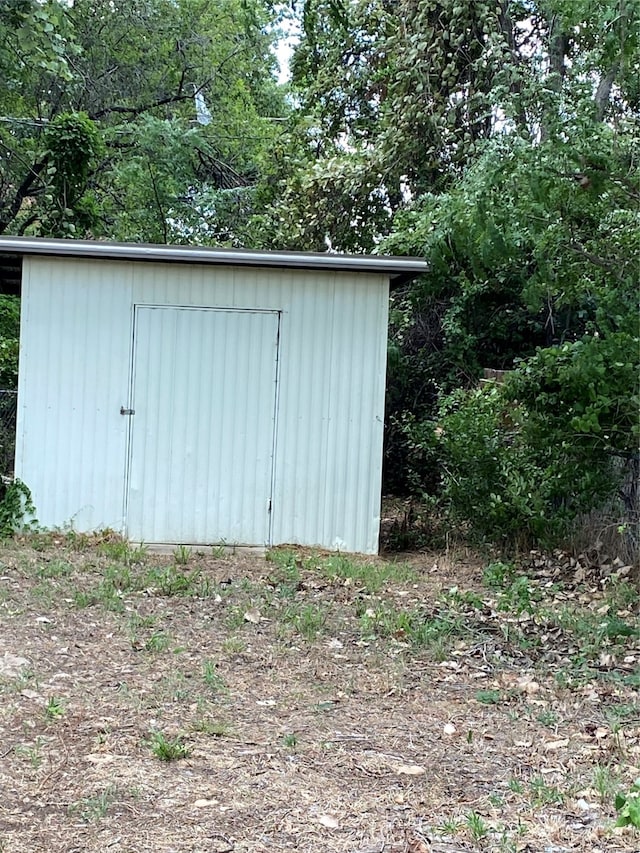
column 194, row 395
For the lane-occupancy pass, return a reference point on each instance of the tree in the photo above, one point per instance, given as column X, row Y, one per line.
column 497, row 140
column 535, row 270
column 117, row 81
column 34, row 51
column 396, row 100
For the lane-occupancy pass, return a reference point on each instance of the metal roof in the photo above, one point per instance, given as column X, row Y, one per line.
column 399, row 269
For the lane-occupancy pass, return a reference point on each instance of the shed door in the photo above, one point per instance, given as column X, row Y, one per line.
column 202, row 428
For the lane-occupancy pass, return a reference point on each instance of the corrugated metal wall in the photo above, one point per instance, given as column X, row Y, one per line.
column 76, row 373
column 75, row 342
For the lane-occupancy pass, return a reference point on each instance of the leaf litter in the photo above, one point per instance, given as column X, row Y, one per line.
column 318, row 708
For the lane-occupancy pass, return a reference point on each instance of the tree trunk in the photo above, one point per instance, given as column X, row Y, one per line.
column 558, row 47
column 603, row 92
column 506, row 25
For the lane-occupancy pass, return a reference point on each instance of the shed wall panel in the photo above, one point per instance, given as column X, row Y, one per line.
column 74, row 367
column 330, row 403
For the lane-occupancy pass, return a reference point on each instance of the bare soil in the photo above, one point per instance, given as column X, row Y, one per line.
column 307, row 727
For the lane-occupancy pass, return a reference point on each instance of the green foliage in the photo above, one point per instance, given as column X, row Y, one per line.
column 17, row 511
column 432, row 632
column 628, row 806
column 212, row 677
column 520, row 596
column 159, row 641
column 99, row 133
column 181, row 555
column 72, row 141
column 513, row 473
column 9, row 340
column 168, row 749
column 477, row 827
column 73, row 146
column 54, row 709
column 498, row 142
column 308, row 620
column 498, row 575
column 372, row 577
column 95, row 808
column 290, row 740
column 531, row 270
column 122, row 551
column 489, row 697
column 171, row 580
column 395, row 102
column 584, row 393
column 33, row 41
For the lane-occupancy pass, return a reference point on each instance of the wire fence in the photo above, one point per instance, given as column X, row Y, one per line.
column 8, row 412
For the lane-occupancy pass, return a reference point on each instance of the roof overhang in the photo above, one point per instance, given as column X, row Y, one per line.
column 398, row 269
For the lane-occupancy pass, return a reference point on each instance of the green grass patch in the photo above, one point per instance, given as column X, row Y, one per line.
column 308, row 620
column 93, row 809
column 489, row 697
column 372, row 577
column 159, row 641
column 174, row 580
column 434, row 632
column 212, row 678
column 54, row 569
column 121, row 551
column 168, row 749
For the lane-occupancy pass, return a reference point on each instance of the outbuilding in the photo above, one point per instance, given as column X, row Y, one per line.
column 200, row 396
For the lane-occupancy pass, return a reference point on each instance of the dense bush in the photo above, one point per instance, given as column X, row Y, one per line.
column 534, row 272
column 9, row 341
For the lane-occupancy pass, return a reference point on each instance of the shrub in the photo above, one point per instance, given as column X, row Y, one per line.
column 9, row 340
column 521, row 460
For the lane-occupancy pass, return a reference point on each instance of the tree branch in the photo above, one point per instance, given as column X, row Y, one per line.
column 159, row 203
column 136, row 111
column 596, row 260
column 603, row 92
column 558, row 49
column 27, row 222
column 506, row 26
column 21, row 193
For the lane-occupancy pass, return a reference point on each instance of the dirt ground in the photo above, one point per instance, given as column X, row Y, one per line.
column 225, row 702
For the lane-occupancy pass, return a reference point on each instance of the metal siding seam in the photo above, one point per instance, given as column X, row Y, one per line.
column 353, row 346
column 333, row 488
column 368, row 428
column 358, row 417
column 129, row 405
column 274, row 445
column 164, row 511
column 84, row 416
column 368, row 480
column 277, row 477
column 65, row 358
column 204, row 440
column 379, row 387
column 235, row 405
column 287, row 479
column 186, row 405
column 333, row 531
column 23, row 359
column 249, row 498
column 310, row 427
column 224, row 432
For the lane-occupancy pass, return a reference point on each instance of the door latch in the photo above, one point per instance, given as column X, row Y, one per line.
column 124, row 411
